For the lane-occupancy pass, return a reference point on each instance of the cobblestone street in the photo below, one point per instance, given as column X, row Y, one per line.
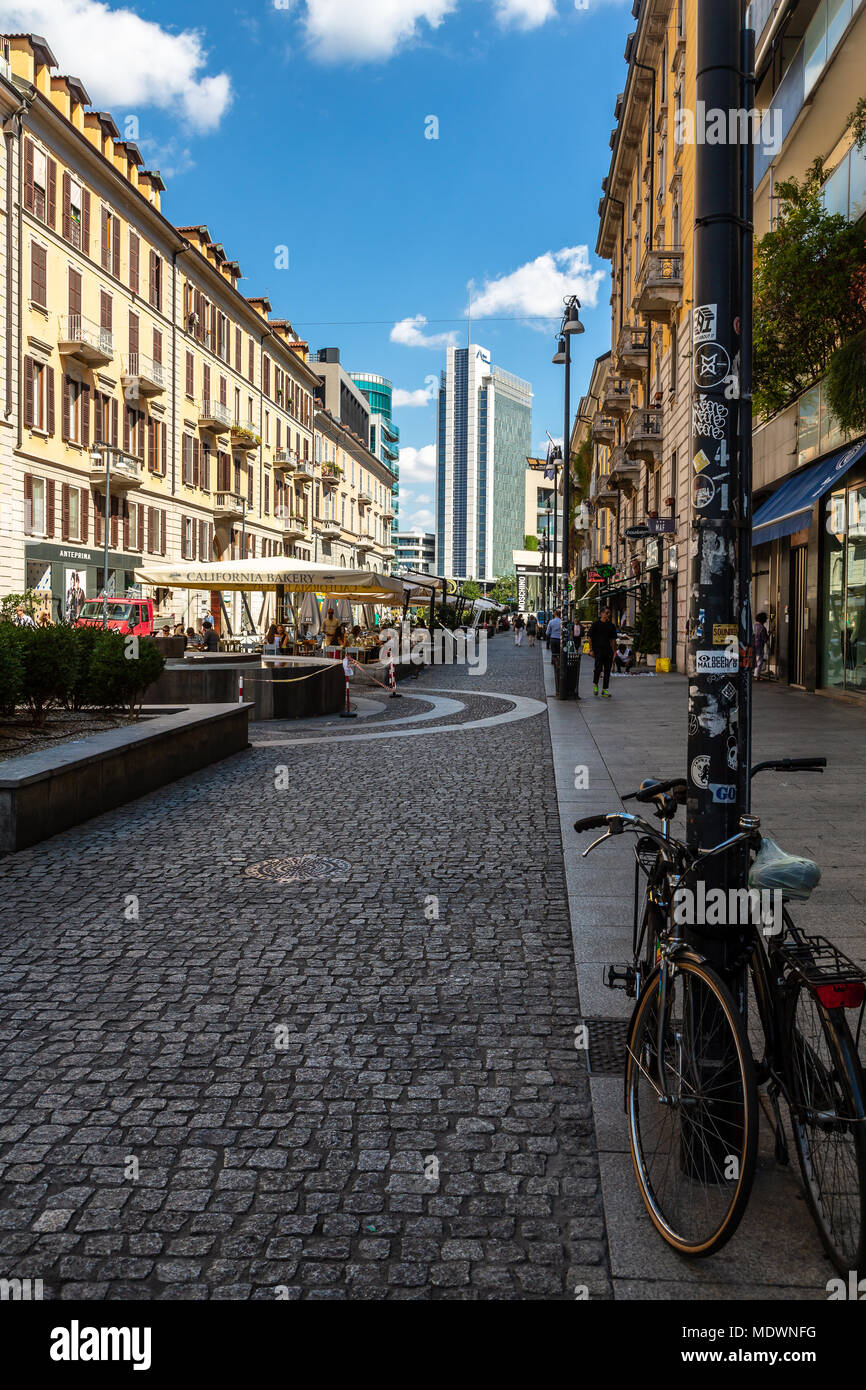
column 360, row 1084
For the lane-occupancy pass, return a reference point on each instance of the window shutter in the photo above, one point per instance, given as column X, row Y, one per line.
column 252, row 362
column 154, row 285
column 267, row 507
column 162, row 533
column 84, row 405
column 66, row 409
column 133, row 262
column 190, row 374
column 74, row 292
column 49, row 507
column 84, row 505
column 114, row 423
column 51, row 194
column 202, row 540
column 49, row 399
column 205, row 467
column 38, row 274
column 238, row 351
column 105, row 316
column 151, row 444
column 133, row 337
column 210, row 541
column 126, row 430
column 205, row 382
column 28, row 175
column 28, row 393
column 157, row 346
column 223, row 391
column 195, row 460
column 28, row 502
column 67, row 198
column 186, row 459
column 98, row 518
column 184, row 555
column 114, row 518
column 85, row 221
column 250, row 485
column 125, row 524
column 266, row 375
column 105, row 249
column 115, row 247
column 163, row 432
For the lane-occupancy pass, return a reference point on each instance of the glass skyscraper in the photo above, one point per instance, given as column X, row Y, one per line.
column 384, row 436
column 483, row 439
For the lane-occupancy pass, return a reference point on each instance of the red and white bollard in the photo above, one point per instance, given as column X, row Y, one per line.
column 392, row 682
column 240, row 690
column 348, row 712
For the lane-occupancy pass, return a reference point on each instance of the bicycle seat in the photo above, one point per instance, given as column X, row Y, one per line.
column 791, row 874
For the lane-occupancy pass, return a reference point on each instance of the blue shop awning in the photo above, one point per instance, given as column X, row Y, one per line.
column 790, row 507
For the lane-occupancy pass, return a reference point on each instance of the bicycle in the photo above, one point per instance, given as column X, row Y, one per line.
column 691, row 1085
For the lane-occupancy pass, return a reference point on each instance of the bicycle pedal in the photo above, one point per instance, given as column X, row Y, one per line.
column 625, row 979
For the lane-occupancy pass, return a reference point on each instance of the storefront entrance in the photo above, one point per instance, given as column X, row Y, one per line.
column 844, row 606
column 797, row 616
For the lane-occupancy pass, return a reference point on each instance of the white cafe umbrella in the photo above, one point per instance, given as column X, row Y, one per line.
column 368, row 616
column 310, row 613
column 344, row 612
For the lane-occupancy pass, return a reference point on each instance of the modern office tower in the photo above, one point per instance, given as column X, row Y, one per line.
column 416, row 550
column 384, row 434
column 484, row 436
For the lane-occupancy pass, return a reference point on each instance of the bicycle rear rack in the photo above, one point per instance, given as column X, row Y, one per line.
column 818, row 962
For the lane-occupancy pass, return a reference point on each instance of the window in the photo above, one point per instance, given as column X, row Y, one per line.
column 39, row 275
column 134, row 258
column 155, row 282
column 251, row 367
column 675, row 352
column 110, row 242
column 74, row 297
column 76, row 412
column 132, row 526
column 38, row 396
column 40, row 183
column 35, row 508
column 267, row 427
column 73, row 511
column 105, row 310
column 190, row 375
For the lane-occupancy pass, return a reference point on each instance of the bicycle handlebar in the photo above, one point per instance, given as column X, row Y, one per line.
column 790, row 765
column 591, row 823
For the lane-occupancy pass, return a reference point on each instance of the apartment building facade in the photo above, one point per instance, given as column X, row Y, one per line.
column 352, row 508
column 809, row 557
column 128, row 342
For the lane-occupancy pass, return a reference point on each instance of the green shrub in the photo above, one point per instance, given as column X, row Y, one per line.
column 10, row 668
column 846, row 384
column 121, row 669
column 48, row 660
column 82, row 694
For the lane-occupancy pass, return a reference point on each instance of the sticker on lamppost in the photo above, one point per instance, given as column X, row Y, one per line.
column 706, row 317
column 724, row 634
column 723, row 792
column 717, row 663
column 704, row 492
column 712, row 365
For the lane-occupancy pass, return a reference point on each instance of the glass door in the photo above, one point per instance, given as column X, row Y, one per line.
column 855, row 599
column 834, row 592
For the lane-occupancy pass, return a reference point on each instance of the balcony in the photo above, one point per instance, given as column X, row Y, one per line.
column 244, row 437
column 603, row 428
column 660, row 284
column 388, row 512
column 85, row 340
column 388, row 552
column 331, row 476
column 303, row 473
column 228, row 507
column 213, row 415
column 632, row 351
column 617, row 397
column 142, row 378
column 295, row 528
column 327, row 526
column 365, row 499
column 602, row 494
column 624, row 472
column 285, row 460
column 644, row 436
column 125, row 472
column 363, row 545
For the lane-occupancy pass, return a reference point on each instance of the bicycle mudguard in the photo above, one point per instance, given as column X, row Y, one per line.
column 792, row 874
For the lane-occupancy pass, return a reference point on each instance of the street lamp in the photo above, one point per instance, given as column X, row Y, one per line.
column 571, row 325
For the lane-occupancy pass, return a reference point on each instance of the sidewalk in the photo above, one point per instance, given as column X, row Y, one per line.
column 641, row 732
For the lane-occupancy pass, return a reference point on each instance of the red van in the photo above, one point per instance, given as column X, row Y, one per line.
column 127, row 615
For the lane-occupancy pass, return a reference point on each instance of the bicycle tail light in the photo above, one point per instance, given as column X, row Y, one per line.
column 841, row 994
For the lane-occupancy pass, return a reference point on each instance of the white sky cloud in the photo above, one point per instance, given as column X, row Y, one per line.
column 422, row 520
column 409, row 333
column 525, row 14
column 371, row 30
column 411, row 400
column 538, row 288
column 124, row 61
column 417, row 465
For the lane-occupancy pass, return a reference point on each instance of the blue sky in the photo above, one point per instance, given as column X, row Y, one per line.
column 304, row 124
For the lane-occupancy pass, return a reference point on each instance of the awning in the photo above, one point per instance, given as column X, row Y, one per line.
column 790, row 507
column 297, row 576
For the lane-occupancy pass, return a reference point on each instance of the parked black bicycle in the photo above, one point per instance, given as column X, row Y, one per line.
column 692, row 1073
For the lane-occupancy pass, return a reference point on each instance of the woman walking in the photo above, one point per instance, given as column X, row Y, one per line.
column 532, row 629
column 519, row 626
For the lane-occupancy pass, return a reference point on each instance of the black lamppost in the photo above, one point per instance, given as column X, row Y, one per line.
column 571, row 325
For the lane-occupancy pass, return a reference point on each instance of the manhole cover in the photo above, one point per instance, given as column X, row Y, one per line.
column 607, row 1044
column 299, row 866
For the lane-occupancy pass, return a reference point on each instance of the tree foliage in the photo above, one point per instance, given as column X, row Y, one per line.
column 846, row 384
column 810, row 292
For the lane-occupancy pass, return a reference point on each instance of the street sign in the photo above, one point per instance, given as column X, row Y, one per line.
column 595, row 578
column 638, row 533
column 661, row 525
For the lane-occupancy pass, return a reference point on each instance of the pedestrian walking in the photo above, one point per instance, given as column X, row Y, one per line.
column 554, row 633
column 761, row 637
column 602, row 640
column 532, row 629
column 519, row 626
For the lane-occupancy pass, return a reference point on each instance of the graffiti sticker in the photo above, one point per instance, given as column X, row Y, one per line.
column 717, row 663
column 706, row 317
column 709, row 418
column 712, row 365
column 704, row 492
column 700, row 771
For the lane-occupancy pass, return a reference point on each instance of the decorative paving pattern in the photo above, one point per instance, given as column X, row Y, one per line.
column 300, row 866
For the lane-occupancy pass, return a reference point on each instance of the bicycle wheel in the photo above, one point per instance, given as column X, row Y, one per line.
column 693, row 1113
column 828, row 1121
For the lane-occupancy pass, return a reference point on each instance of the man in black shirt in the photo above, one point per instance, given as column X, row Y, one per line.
column 602, row 640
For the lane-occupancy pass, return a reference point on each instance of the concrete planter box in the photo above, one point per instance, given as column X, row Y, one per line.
column 306, row 688
column 53, row 789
